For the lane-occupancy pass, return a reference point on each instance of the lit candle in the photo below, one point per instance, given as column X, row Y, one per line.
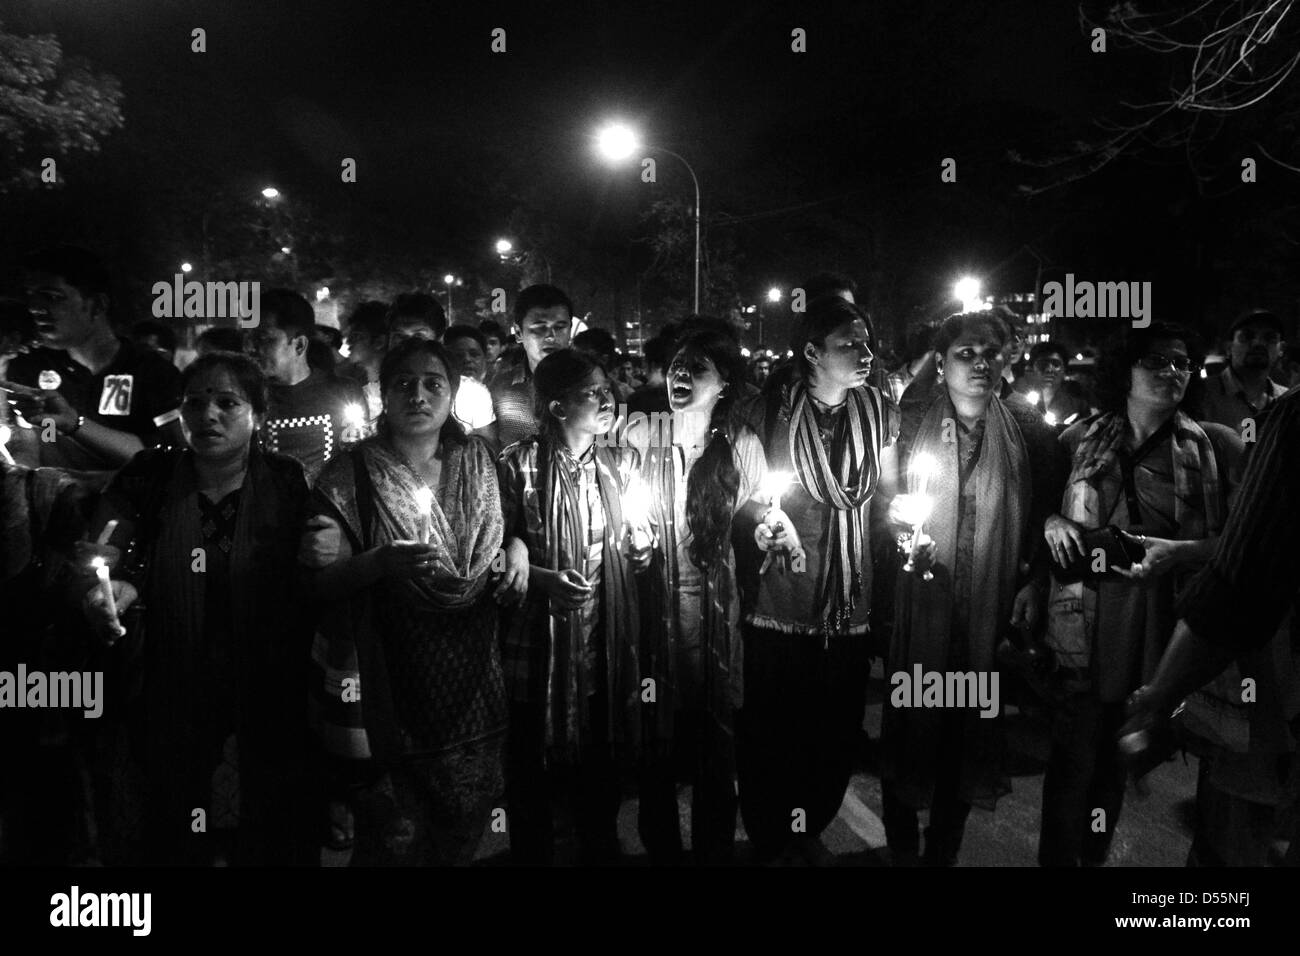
column 1032, row 397
column 424, row 502
column 636, row 513
column 4, row 441
column 774, row 486
column 106, row 590
column 354, row 421
column 920, row 505
column 1049, row 417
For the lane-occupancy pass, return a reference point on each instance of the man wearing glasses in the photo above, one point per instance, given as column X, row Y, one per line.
column 1243, row 390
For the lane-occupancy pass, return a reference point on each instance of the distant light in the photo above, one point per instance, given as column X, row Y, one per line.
column 751, row 308
column 1204, row 374
column 322, row 293
column 745, row 352
column 285, row 249
column 1032, row 397
column 967, row 291
column 774, row 294
column 1078, row 356
column 617, row 142
column 270, row 192
column 186, row 267
column 504, row 246
column 789, row 353
column 449, row 279
column 1049, row 417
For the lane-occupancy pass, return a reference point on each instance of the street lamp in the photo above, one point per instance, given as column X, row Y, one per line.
column 451, row 281
column 616, row 142
column 967, row 291
column 270, row 192
column 504, row 246
column 774, row 294
column 186, row 268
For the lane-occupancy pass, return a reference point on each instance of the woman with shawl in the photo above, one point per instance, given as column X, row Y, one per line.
column 994, row 476
column 1146, row 468
column 407, row 580
column 219, row 652
column 699, row 468
column 807, row 610
column 571, row 652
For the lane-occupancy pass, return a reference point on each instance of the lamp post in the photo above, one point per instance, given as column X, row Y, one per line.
column 617, row 142
column 773, row 295
column 451, row 281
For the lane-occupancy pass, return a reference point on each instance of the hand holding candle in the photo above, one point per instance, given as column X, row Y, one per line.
column 354, row 423
column 637, row 534
column 5, row 434
column 917, row 507
column 424, row 505
column 106, row 593
column 776, row 520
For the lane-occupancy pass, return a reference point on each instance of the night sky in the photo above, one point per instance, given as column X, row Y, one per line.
column 827, row 159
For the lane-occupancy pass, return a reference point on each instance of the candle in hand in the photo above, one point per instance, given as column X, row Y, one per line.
column 5, row 433
column 774, row 486
column 636, row 513
column 424, row 503
column 106, row 590
column 354, row 422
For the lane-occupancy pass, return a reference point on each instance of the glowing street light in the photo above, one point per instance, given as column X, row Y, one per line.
column 186, row 268
column 270, row 192
column 286, row 250
column 504, row 246
column 451, row 281
column 774, row 294
column 616, row 142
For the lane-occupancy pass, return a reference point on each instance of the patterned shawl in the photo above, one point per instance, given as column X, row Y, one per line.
column 845, row 483
column 1198, row 513
column 720, row 645
column 550, row 507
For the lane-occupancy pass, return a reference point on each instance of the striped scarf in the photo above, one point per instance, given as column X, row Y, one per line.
column 1198, row 513
column 845, row 483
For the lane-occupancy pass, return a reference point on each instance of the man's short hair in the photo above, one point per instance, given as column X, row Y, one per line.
column 1049, row 348
column 1263, row 317
column 463, row 331
column 293, row 314
column 655, row 352
column 369, row 319
column 418, row 305
column 165, row 334
column 492, row 329
column 540, row 297
column 78, row 267
column 599, row 342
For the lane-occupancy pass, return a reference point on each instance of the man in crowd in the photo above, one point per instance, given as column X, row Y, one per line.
column 415, row 314
column 367, row 339
column 307, row 408
column 543, row 322
column 92, row 397
column 1243, row 390
column 653, row 395
column 1046, row 387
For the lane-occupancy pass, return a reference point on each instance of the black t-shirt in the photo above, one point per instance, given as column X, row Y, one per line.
column 127, row 395
column 305, row 421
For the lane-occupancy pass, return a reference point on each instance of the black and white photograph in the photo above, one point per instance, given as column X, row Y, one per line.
column 635, row 450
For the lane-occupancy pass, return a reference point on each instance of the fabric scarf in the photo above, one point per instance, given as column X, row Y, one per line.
column 846, row 484
column 720, row 646
column 569, row 680
column 1002, row 499
column 1198, row 513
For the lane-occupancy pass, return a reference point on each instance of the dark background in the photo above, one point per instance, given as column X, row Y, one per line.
column 828, row 159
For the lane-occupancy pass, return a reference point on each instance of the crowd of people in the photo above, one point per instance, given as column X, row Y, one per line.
column 384, row 588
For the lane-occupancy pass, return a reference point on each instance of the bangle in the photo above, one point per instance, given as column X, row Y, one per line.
column 81, row 420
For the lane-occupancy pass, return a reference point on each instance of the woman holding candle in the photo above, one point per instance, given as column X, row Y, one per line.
column 984, row 475
column 572, row 665
column 221, row 646
column 807, row 618
column 709, row 470
column 1145, row 468
column 408, row 528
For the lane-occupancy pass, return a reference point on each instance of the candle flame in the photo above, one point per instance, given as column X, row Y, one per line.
column 1049, row 417
column 636, row 502
column 923, row 466
column 1032, row 397
column 424, row 500
column 775, row 485
column 913, row 509
column 354, row 416
column 97, row 563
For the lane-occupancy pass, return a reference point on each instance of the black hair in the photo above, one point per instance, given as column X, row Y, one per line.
column 80, row 268
column 418, row 305
column 329, row 335
column 409, row 348
column 714, row 481
column 369, row 319
column 220, row 338
column 293, row 314
column 540, row 297
column 492, row 329
column 165, row 334
column 1118, row 356
column 1049, row 348
column 555, row 377
column 246, row 373
column 919, row 341
column 462, row 331
column 655, row 352
column 600, row 343
column 321, row 356
column 828, row 283
column 823, row 316
column 955, row 326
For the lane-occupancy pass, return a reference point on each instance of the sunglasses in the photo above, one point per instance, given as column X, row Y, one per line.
column 1156, row 362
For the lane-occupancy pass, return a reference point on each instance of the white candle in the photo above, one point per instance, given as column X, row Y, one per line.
column 354, row 421
column 5, row 434
column 107, row 534
column 424, row 502
column 106, row 589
